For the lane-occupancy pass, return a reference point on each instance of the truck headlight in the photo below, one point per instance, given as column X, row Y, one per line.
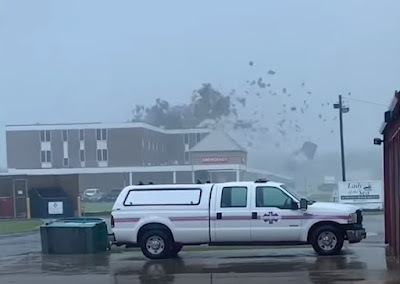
column 352, row 219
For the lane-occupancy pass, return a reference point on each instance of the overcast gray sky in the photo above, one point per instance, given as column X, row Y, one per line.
column 78, row 61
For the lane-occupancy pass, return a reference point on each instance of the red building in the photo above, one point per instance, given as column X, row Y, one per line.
column 391, row 141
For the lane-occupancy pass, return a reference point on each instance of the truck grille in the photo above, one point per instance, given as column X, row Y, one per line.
column 359, row 217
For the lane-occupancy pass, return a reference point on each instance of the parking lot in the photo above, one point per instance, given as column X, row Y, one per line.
column 22, row 262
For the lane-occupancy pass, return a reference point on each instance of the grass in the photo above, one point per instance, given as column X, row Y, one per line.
column 19, row 226
column 96, row 207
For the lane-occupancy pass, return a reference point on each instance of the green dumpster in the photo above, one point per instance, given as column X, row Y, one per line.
column 74, row 236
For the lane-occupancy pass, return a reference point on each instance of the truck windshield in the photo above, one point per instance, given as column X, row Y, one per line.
column 293, row 192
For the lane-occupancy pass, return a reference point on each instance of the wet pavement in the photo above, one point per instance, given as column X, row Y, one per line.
column 22, row 262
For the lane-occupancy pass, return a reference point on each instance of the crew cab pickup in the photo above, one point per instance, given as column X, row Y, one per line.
column 161, row 219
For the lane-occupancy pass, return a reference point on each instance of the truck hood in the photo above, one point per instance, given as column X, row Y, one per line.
column 332, row 207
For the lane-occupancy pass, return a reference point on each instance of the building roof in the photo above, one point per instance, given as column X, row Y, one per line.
column 99, row 125
column 392, row 106
column 217, row 141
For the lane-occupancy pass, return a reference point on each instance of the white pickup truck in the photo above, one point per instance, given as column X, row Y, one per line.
column 163, row 218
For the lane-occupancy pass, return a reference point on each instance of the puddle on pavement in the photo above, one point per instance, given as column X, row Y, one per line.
column 224, row 267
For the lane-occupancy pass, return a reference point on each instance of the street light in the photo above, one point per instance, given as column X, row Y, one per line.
column 342, row 109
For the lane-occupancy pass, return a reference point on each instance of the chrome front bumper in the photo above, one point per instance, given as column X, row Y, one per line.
column 355, row 236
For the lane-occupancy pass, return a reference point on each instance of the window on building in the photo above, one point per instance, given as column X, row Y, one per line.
column 154, row 146
column 186, row 138
column 143, row 144
column 81, row 135
column 48, row 156
column 45, row 136
column 198, row 137
column 234, row 197
column 99, row 155
column 268, row 196
column 102, row 155
column 45, row 156
column 82, row 155
column 65, row 135
column 66, row 162
column 101, row 134
column 187, row 157
column 148, row 145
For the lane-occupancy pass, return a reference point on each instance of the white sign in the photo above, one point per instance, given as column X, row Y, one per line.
column 56, row 208
column 360, row 191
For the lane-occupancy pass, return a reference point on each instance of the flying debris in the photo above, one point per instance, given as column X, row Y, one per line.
column 309, row 92
column 242, row 101
column 271, row 72
column 303, row 84
column 260, row 83
column 302, row 110
column 277, row 144
column 269, row 85
column 251, row 63
column 322, row 104
column 232, row 92
column 328, row 103
column 320, row 116
column 349, row 93
column 324, row 120
column 281, row 122
column 283, row 133
column 331, row 131
column 274, row 93
column 335, row 118
column 284, row 90
column 258, row 95
column 293, row 108
column 253, row 83
column 246, row 92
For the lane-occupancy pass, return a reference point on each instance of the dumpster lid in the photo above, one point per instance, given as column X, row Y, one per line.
column 74, row 222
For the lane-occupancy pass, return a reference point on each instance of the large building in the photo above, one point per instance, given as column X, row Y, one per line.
column 110, row 156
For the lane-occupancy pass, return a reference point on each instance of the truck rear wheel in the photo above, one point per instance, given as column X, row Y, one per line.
column 327, row 240
column 156, row 244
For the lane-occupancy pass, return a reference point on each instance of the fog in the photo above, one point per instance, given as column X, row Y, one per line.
column 83, row 61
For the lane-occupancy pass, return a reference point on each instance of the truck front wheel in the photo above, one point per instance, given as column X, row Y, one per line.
column 176, row 248
column 327, row 240
column 156, row 244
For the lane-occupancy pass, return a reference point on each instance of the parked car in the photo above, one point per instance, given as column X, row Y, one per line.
column 91, row 193
column 161, row 219
column 111, row 195
column 96, row 197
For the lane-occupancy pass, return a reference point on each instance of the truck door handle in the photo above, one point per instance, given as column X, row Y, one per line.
column 219, row 216
column 254, row 215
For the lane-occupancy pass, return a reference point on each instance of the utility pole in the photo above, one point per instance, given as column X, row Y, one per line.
column 342, row 109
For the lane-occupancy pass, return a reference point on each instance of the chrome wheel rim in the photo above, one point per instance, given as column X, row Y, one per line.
column 327, row 241
column 155, row 245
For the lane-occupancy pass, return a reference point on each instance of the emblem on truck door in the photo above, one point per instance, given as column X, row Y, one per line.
column 270, row 217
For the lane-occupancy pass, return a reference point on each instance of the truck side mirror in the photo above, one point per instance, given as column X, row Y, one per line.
column 303, row 204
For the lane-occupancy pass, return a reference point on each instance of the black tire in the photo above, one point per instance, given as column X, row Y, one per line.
column 176, row 248
column 163, row 242
column 327, row 240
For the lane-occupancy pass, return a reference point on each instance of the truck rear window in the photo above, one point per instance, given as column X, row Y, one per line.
column 162, row 197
